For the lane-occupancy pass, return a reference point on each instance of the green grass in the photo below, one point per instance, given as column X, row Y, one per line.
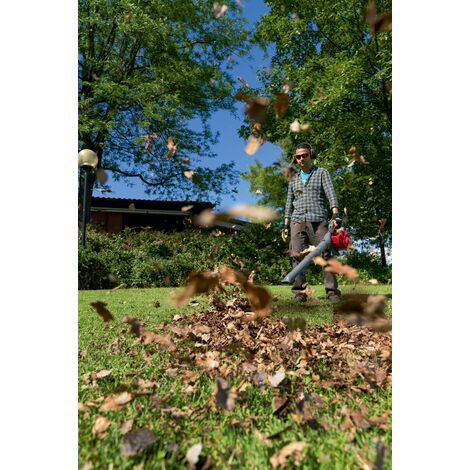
column 228, row 445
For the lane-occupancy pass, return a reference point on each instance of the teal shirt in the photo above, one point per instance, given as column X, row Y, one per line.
column 304, row 176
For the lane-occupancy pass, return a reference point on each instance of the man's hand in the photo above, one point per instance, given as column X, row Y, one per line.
column 285, row 232
column 337, row 219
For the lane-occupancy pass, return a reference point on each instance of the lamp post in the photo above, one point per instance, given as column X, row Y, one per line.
column 87, row 160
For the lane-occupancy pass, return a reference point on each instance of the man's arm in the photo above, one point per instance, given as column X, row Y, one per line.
column 289, row 205
column 330, row 192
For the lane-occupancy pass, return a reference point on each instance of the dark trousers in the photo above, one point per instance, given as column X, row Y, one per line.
column 303, row 234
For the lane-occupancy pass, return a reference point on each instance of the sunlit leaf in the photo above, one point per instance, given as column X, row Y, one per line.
column 280, row 104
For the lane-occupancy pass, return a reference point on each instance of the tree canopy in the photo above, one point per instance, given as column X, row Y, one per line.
column 151, row 72
column 334, row 59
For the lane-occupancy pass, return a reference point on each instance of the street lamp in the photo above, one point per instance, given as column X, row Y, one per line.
column 87, row 160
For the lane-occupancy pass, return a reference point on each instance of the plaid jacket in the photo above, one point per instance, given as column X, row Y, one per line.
column 308, row 203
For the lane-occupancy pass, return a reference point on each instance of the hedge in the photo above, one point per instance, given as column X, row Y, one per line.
column 151, row 258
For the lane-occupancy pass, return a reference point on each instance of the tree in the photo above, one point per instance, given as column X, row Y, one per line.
column 339, row 72
column 149, row 70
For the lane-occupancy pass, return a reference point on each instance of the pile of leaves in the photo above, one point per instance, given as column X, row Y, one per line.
column 235, row 345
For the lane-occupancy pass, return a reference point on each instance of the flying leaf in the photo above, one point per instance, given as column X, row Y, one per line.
column 132, row 206
column 280, row 104
column 137, row 441
column 243, row 81
column 231, row 276
column 335, row 266
column 186, row 208
column 293, row 450
column 171, row 145
column 319, row 261
column 198, row 283
column 289, row 173
column 295, row 126
column 253, row 144
column 256, row 108
column 101, row 176
column 287, row 86
column 102, row 311
column 252, row 212
column 219, row 10
column 137, row 327
column 224, row 394
column 259, row 298
column 378, row 24
column 189, row 174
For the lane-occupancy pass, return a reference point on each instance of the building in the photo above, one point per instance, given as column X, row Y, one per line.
column 114, row 214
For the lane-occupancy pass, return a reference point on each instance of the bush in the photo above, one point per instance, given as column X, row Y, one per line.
column 164, row 259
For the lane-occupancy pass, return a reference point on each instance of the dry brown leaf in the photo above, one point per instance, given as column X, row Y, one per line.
column 186, row 208
column 287, row 86
column 243, row 81
column 224, row 394
column 259, row 298
column 132, row 206
column 198, row 283
column 171, row 145
column 295, row 126
column 137, row 327
column 373, row 281
column 253, row 144
column 319, row 261
column 100, row 426
column 192, row 455
column 289, row 173
column 252, row 212
column 231, row 276
column 101, row 176
column 378, row 24
column 126, row 426
column 219, row 10
column 102, row 311
column 280, row 104
column 189, row 174
column 103, row 373
column 307, row 250
column 208, row 361
column 335, row 266
column 137, row 441
column 116, row 401
column 293, row 450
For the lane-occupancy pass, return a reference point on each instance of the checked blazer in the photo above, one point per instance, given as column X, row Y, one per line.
column 309, row 202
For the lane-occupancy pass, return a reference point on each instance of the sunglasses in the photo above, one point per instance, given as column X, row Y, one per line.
column 301, row 155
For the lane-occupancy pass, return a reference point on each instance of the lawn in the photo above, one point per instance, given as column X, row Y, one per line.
column 168, row 388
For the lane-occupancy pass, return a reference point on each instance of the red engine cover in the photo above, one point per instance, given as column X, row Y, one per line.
column 340, row 239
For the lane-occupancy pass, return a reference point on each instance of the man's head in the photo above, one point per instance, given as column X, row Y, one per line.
column 303, row 156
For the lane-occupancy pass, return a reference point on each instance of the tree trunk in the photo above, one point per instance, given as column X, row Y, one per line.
column 382, row 252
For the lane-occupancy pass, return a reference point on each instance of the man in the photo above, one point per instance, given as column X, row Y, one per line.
column 310, row 194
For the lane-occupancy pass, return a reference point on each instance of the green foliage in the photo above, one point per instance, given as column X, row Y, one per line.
column 158, row 259
column 146, row 69
column 341, row 76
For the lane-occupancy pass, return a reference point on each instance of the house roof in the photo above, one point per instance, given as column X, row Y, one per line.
column 147, row 205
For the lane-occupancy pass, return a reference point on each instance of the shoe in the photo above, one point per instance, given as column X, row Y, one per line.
column 333, row 297
column 300, row 297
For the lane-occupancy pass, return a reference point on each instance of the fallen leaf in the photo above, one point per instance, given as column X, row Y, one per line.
column 224, row 394
column 102, row 311
column 137, row 441
column 100, row 425
column 373, row 281
column 116, row 401
column 126, row 426
column 103, row 373
column 192, row 455
column 293, row 450
column 277, row 378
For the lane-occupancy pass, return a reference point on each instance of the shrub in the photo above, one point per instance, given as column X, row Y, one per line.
column 162, row 259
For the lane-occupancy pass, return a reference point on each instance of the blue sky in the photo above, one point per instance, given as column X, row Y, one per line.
column 230, row 146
